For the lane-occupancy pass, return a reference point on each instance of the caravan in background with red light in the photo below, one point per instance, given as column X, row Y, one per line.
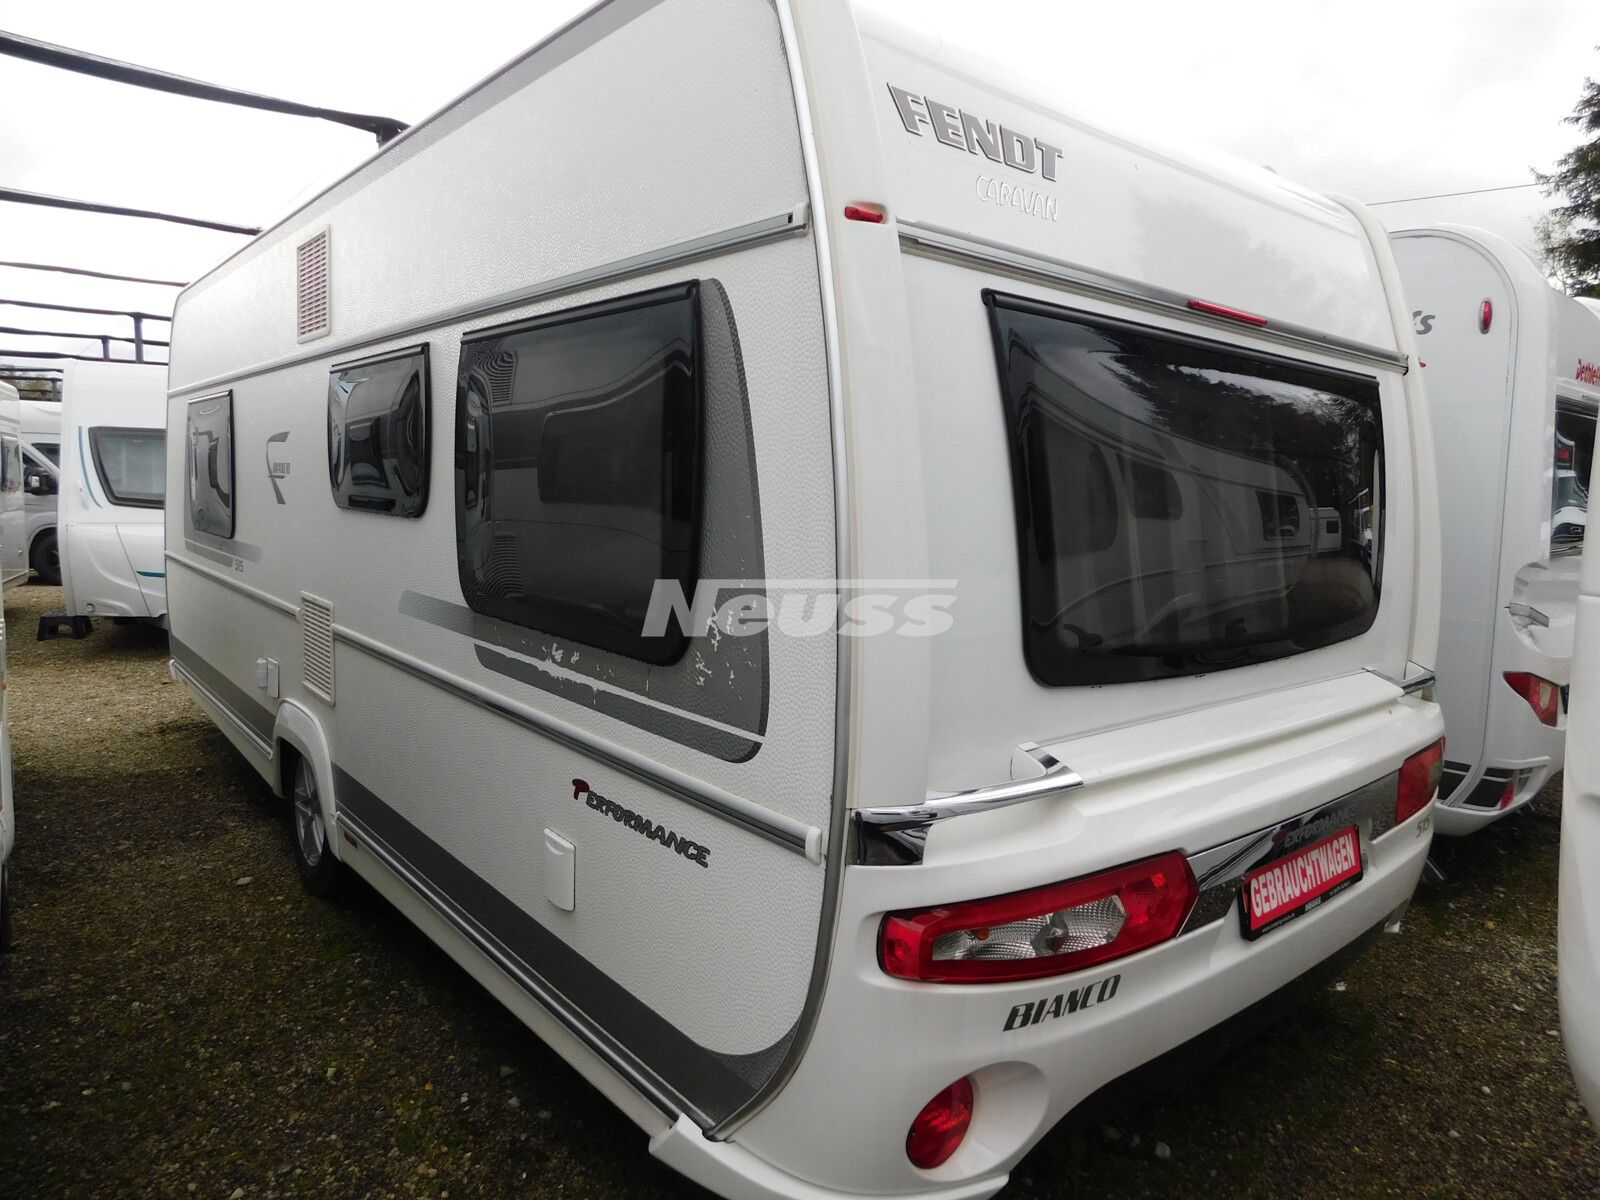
column 1513, row 389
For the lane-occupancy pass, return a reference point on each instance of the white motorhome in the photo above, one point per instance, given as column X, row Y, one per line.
column 510, row 475
column 113, row 477
column 41, row 473
column 13, row 517
column 1513, row 375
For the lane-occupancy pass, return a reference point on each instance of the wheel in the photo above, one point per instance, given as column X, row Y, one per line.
column 45, row 558
column 7, row 939
column 319, row 869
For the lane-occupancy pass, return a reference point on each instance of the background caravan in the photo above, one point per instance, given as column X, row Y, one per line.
column 454, row 469
column 1513, row 375
column 113, row 420
column 13, row 517
column 41, row 472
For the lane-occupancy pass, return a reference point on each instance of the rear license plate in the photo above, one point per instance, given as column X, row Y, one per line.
column 1299, row 882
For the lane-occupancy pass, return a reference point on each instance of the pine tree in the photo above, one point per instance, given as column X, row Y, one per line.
column 1570, row 236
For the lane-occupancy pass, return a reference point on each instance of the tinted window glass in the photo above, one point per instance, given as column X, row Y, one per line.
column 51, row 450
column 131, row 464
column 208, row 475
column 1239, row 518
column 378, row 434
column 578, row 469
column 1574, row 461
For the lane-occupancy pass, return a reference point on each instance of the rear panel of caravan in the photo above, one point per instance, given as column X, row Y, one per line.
column 652, row 144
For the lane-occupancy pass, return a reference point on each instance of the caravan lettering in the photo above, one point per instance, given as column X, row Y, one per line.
column 693, row 851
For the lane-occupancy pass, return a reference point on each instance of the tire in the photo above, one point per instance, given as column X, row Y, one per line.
column 45, row 558
column 7, row 937
column 320, row 872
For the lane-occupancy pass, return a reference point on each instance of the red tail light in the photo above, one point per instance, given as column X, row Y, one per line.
column 1419, row 781
column 937, row 1132
column 870, row 213
column 1542, row 696
column 1046, row 931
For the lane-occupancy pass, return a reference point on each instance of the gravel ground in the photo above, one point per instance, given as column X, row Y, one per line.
column 180, row 1019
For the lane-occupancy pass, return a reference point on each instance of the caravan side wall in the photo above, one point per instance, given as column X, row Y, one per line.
column 636, row 845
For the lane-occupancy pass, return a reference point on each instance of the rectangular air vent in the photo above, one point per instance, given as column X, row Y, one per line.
column 312, row 318
column 316, row 643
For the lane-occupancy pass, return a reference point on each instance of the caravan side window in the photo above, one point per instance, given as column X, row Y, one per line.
column 131, row 464
column 208, row 474
column 378, row 433
column 10, row 465
column 578, row 469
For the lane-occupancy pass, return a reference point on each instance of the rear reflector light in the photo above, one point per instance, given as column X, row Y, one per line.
column 1542, row 696
column 1510, row 794
column 1485, row 316
column 1046, row 931
column 1419, row 781
column 937, row 1132
column 1221, row 310
column 864, row 212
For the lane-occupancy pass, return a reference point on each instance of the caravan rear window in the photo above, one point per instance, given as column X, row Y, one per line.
column 131, row 464
column 578, row 451
column 1183, row 506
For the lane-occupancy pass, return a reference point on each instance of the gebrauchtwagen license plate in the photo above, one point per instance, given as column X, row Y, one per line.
column 1299, row 882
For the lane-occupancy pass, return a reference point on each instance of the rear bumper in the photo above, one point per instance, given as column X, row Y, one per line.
column 883, row 1047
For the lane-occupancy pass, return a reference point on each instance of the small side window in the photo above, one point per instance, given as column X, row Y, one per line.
column 51, row 450
column 578, row 469
column 378, row 433
column 208, row 476
column 131, row 464
column 11, row 467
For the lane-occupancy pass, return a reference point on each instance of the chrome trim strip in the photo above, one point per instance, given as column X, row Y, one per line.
column 1219, row 869
column 262, row 746
column 244, row 589
column 804, row 840
column 844, row 550
column 590, row 1035
column 898, row 835
column 1411, row 684
column 691, row 250
column 943, row 243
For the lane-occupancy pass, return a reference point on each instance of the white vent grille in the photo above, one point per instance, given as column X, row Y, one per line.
column 311, row 289
column 316, row 646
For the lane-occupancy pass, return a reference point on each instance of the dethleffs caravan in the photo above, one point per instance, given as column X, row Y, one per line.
column 113, row 417
column 859, row 636
column 1513, row 376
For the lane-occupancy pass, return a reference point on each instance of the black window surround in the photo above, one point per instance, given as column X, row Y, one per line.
column 379, row 432
column 1260, row 538
column 208, row 468
column 118, row 488
column 579, row 448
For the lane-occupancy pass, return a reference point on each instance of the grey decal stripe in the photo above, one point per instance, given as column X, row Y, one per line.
column 703, row 1083
column 245, row 708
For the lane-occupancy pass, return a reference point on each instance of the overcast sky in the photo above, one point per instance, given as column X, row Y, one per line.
column 1382, row 99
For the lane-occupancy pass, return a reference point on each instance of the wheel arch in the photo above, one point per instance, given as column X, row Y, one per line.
column 298, row 736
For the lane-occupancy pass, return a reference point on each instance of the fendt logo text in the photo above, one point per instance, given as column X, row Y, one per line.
column 960, row 129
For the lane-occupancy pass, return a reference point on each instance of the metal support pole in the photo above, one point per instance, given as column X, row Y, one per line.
column 138, row 338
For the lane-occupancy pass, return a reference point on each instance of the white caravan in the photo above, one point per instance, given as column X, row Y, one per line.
column 41, row 474
column 1513, row 376
column 113, row 482
column 1578, row 942
column 13, row 517
column 11, row 528
column 859, row 636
